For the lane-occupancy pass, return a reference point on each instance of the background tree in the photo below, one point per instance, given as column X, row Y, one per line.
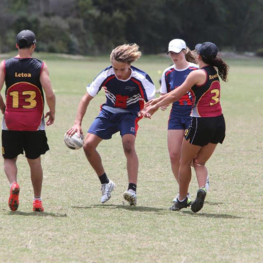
column 91, row 27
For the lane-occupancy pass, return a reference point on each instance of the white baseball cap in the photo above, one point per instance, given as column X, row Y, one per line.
column 176, row 45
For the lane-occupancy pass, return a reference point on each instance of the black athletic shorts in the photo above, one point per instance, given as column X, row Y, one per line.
column 34, row 143
column 204, row 130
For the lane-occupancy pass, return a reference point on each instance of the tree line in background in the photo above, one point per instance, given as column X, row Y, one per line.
column 91, row 27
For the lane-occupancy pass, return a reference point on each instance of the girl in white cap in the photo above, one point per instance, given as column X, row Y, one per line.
column 207, row 127
column 179, row 119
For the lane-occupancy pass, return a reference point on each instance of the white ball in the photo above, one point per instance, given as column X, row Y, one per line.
column 74, row 142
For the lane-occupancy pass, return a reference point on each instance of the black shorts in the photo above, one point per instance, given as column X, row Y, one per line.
column 204, row 130
column 34, row 143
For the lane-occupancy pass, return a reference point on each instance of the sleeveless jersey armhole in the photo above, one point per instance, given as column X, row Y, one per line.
column 206, row 74
column 41, row 69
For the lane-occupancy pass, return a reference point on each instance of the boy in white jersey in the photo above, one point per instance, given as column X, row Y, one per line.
column 126, row 89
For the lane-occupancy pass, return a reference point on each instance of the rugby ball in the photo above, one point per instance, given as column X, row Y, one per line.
column 73, row 142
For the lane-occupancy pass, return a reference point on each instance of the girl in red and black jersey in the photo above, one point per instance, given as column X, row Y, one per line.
column 207, row 127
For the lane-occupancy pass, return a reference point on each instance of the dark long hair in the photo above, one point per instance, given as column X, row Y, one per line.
column 220, row 64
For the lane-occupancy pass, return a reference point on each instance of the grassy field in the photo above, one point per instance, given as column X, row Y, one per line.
column 75, row 227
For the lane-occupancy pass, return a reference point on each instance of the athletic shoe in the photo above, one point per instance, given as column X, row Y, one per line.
column 179, row 205
column 207, row 183
column 13, row 200
column 106, row 190
column 37, row 206
column 199, row 201
column 130, row 197
column 177, row 197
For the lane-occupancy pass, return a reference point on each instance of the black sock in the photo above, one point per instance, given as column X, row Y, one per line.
column 132, row 187
column 104, row 179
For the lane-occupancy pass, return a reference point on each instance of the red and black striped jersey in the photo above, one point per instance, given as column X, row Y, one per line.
column 206, row 97
column 24, row 95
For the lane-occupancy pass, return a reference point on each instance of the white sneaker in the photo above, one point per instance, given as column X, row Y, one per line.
column 207, row 183
column 130, row 197
column 177, row 196
column 106, row 190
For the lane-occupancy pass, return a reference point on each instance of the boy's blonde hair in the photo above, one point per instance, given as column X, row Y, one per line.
column 127, row 53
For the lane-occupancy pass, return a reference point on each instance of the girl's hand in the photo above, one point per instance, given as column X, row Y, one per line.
column 150, row 110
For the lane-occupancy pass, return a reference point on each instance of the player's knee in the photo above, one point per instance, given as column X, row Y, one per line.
column 88, row 147
column 174, row 157
column 198, row 163
column 128, row 147
column 34, row 162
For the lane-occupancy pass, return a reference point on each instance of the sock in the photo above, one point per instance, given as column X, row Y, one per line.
column 104, row 179
column 12, row 184
column 132, row 187
column 37, row 198
column 181, row 200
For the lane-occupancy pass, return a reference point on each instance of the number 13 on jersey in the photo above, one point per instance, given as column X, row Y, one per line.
column 24, row 96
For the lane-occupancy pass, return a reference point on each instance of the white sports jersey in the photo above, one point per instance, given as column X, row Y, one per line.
column 123, row 95
column 173, row 78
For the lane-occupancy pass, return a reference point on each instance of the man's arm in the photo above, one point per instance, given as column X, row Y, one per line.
column 2, row 80
column 49, row 94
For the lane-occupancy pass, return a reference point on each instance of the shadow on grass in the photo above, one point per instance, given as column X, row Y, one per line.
column 157, row 210
column 213, row 203
column 40, row 214
column 212, row 215
column 124, row 207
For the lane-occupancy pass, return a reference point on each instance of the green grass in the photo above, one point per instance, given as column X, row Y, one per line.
column 75, row 227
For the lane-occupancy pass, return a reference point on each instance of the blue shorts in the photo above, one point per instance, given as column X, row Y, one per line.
column 107, row 123
column 179, row 123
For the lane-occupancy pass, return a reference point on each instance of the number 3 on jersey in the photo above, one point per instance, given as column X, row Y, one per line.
column 29, row 99
column 215, row 98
